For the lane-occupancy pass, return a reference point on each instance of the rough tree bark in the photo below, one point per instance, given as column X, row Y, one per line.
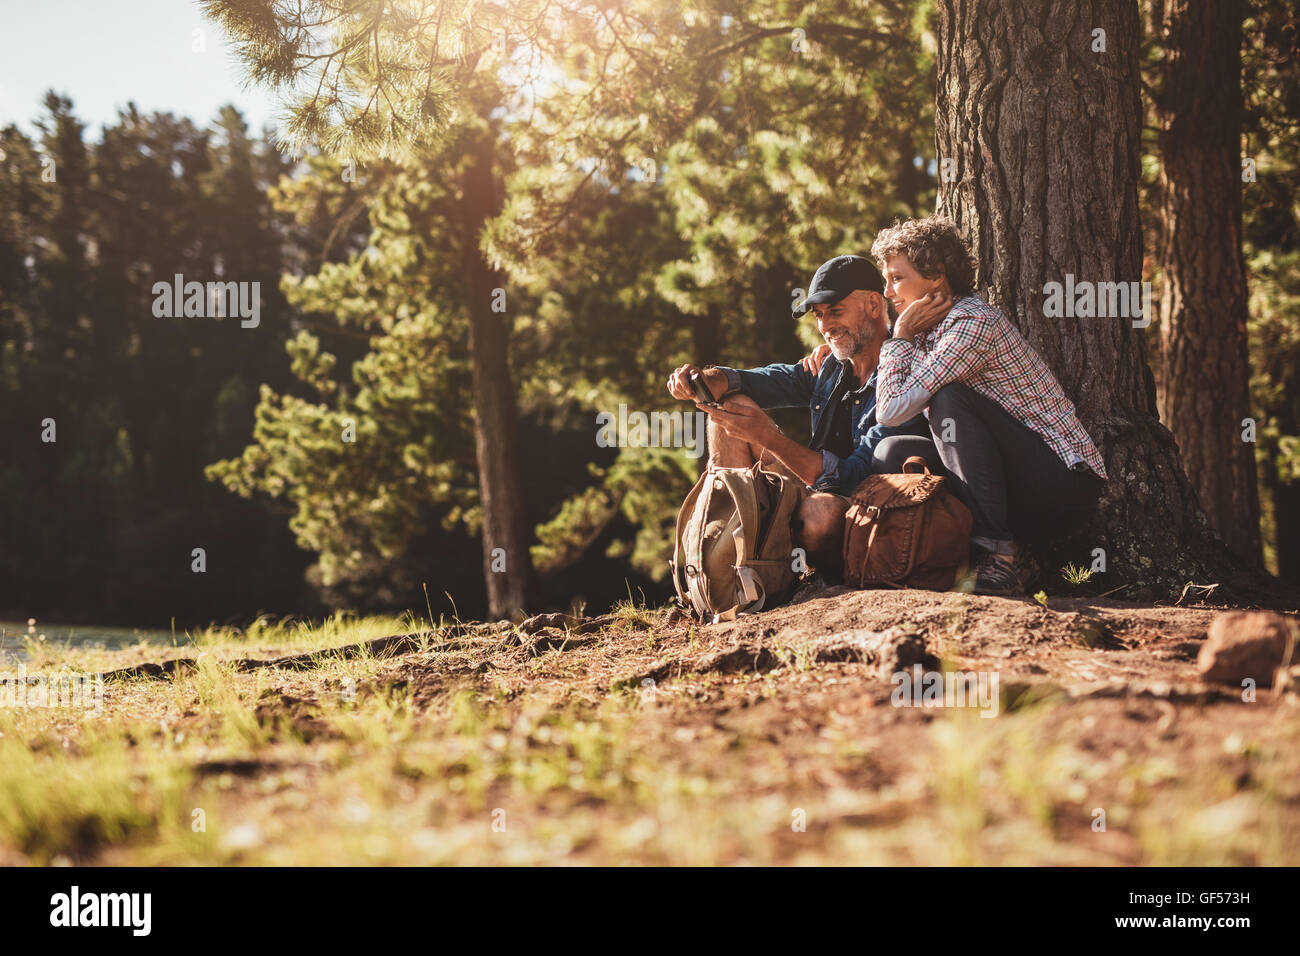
column 1204, row 389
column 1044, row 133
column 495, row 417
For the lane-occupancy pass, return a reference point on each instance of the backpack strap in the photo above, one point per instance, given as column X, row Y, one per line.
column 753, row 547
column 741, row 488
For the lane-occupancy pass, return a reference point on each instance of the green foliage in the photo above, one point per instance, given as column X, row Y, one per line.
column 743, row 172
column 140, row 403
column 1271, row 215
column 1076, row 575
column 671, row 174
column 388, row 450
column 1271, row 235
column 1275, row 358
column 662, row 202
column 326, row 58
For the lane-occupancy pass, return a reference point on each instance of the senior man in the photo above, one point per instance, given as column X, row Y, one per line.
column 853, row 318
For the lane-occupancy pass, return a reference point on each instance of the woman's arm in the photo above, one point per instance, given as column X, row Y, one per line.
column 902, row 407
column 905, row 383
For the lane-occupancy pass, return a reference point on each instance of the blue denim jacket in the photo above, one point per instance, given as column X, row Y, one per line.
column 789, row 386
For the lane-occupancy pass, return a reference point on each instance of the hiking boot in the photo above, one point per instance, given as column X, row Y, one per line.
column 993, row 576
column 1027, row 569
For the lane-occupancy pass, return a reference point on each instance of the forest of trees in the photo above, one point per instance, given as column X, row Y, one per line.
column 500, row 227
column 109, row 414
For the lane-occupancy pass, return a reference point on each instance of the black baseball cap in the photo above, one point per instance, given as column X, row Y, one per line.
column 837, row 277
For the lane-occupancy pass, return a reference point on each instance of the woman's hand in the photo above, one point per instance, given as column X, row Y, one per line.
column 922, row 315
column 813, row 361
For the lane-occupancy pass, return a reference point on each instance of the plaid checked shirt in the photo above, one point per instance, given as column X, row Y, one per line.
column 977, row 345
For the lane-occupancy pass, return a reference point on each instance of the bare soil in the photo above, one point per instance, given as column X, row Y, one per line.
column 1113, row 683
column 642, row 737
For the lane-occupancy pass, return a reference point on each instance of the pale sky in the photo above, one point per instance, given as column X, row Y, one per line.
column 103, row 53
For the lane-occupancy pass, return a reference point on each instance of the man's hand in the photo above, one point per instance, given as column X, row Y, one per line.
column 922, row 315
column 746, row 421
column 740, row 418
column 679, row 383
column 813, row 361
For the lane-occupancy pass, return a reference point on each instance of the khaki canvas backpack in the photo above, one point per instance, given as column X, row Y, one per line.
column 734, row 552
column 906, row 530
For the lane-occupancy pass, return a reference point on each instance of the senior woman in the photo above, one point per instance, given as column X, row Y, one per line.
column 1000, row 425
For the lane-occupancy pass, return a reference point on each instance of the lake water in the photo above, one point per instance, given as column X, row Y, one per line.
column 13, row 636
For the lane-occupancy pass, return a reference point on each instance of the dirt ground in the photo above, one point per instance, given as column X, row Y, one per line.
column 781, row 737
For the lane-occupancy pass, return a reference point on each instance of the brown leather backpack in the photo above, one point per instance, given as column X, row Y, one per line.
column 906, row 530
column 733, row 552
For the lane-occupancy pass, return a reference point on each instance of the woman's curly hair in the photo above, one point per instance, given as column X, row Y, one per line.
column 934, row 246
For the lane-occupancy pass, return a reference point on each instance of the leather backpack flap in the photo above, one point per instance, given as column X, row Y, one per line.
column 884, row 527
column 861, row 525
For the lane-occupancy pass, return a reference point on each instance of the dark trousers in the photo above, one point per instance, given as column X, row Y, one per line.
column 1016, row 487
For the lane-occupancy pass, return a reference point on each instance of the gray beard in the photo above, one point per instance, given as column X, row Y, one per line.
column 858, row 345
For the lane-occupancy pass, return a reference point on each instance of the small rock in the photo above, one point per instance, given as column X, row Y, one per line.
column 808, row 590
column 1089, row 631
column 888, row 652
column 537, row 622
column 1247, row 644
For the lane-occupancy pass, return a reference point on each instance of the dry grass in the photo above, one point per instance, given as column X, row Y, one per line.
column 503, row 746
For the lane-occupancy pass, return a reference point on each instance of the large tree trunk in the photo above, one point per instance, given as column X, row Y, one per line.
column 1045, row 135
column 1204, row 388
column 495, row 425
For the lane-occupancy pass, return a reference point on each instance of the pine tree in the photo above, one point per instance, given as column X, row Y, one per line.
column 1204, row 396
column 1046, row 185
